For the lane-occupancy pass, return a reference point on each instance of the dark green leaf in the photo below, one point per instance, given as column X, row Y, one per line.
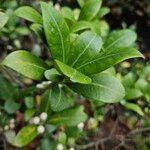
column 29, row 102
column 73, row 74
column 11, row 106
column 69, row 117
column 29, row 14
column 86, row 46
column 25, row 135
column 26, row 64
column 120, row 38
column 59, row 98
column 56, row 31
column 104, row 87
column 108, row 59
column 90, row 9
column 3, row 19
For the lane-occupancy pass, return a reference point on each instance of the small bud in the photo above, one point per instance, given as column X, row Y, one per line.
column 71, row 148
column 12, row 120
column 43, row 116
column 60, row 147
column 80, row 125
column 40, row 86
column 57, row 6
column 40, row 129
column 36, row 120
column 6, row 128
column 12, row 125
column 60, row 85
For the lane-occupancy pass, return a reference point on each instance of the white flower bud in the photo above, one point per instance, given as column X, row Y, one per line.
column 12, row 120
column 40, row 86
column 40, row 129
column 60, row 147
column 6, row 128
column 57, row 6
column 43, row 116
column 12, row 125
column 80, row 125
column 60, row 85
column 36, row 120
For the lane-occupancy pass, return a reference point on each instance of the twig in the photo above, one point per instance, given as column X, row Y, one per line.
column 138, row 131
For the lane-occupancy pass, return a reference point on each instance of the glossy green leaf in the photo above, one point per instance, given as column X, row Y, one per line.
column 81, row 25
column 132, row 93
column 133, row 107
column 26, row 64
column 56, row 31
column 86, row 46
column 73, row 74
column 67, row 13
column 59, row 98
column 25, row 135
column 90, row 9
column 69, row 117
column 108, row 59
column 120, row 38
column 104, row 87
column 28, row 13
column 3, row 19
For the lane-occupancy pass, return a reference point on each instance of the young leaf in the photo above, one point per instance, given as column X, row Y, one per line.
column 69, row 117
column 80, row 25
column 59, row 98
column 26, row 64
column 86, row 46
column 108, row 59
column 104, row 87
column 3, row 19
column 73, row 74
column 56, row 31
column 90, row 9
column 133, row 107
column 29, row 14
column 132, row 93
column 81, row 3
column 120, row 38
column 25, row 135
column 103, row 11
column 68, row 14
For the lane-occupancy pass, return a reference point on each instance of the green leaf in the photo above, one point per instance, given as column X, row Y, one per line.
column 86, row 46
column 3, row 19
column 141, row 84
column 120, row 38
column 103, row 11
column 52, row 75
column 129, row 79
column 73, row 74
column 81, row 3
column 132, row 93
column 69, row 117
column 80, row 25
column 11, row 106
column 25, row 135
column 56, row 31
column 29, row 102
column 67, row 14
column 29, row 114
column 104, row 87
column 59, row 98
column 108, row 59
column 133, row 107
column 29, row 14
column 90, row 9
column 26, row 64
column 8, row 91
